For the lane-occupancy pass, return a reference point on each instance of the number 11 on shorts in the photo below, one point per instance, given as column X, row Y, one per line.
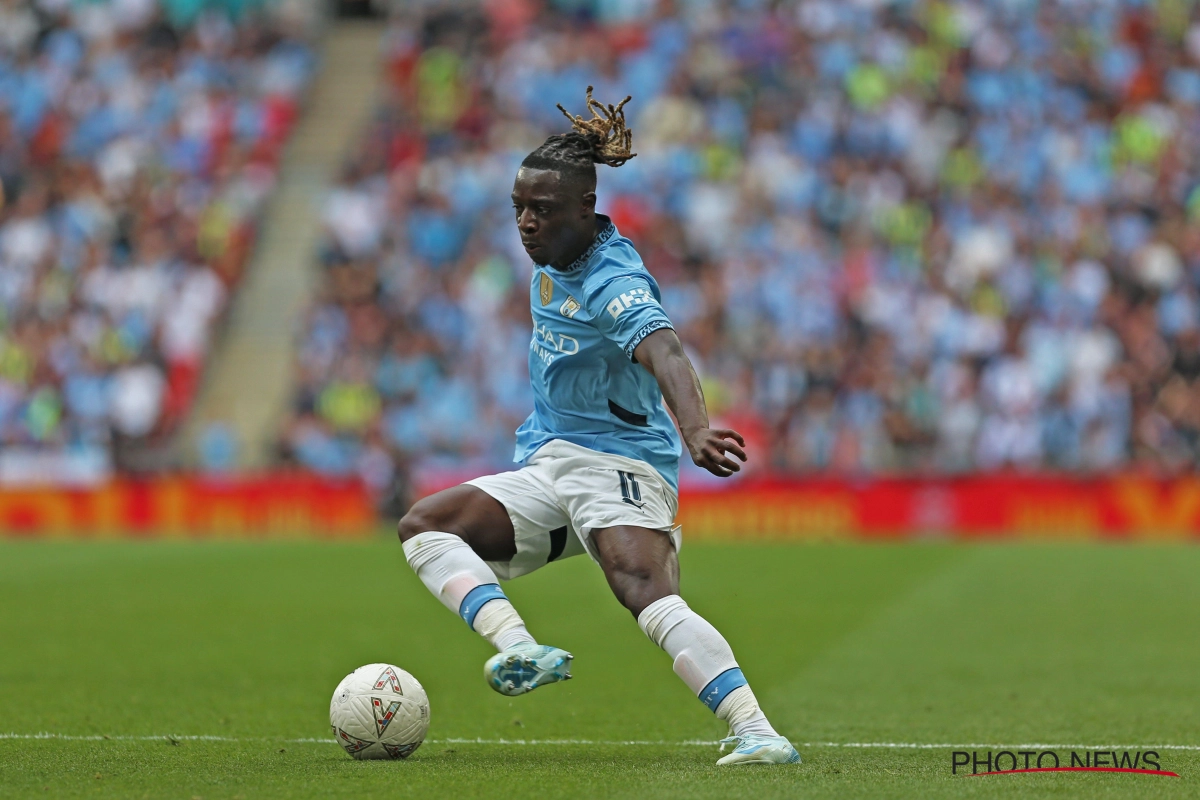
column 631, row 493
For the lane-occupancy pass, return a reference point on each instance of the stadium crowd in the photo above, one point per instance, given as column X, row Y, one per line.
column 893, row 236
column 138, row 141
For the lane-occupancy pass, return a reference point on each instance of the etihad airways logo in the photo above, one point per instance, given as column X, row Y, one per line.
column 548, row 345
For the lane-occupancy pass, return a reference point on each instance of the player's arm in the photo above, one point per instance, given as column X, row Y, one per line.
column 661, row 354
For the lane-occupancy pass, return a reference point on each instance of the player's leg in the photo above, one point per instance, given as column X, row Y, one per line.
column 642, row 569
column 448, row 538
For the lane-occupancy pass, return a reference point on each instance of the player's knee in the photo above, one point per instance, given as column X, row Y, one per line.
column 637, row 585
column 645, row 592
column 427, row 514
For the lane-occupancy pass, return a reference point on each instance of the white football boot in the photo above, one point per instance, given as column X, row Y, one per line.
column 525, row 667
column 755, row 749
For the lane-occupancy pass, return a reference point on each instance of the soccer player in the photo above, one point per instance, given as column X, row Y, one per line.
column 600, row 453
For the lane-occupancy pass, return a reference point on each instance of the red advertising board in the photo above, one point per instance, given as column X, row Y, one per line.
column 271, row 506
column 1048, row 507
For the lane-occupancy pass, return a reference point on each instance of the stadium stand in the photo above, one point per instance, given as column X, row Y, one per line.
column 138, row 143
column 931, row 237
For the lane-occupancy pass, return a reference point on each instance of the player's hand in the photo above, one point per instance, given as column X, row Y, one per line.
column 709, row 446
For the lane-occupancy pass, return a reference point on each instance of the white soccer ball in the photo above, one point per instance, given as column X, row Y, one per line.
column 379, row 711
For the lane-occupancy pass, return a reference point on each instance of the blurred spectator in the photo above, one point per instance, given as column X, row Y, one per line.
column 218, row 447
column 915, row 236
column 138, row 143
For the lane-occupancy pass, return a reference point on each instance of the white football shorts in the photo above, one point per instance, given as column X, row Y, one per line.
column 565, row 491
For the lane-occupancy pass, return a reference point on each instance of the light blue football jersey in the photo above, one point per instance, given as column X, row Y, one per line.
column 587, row 389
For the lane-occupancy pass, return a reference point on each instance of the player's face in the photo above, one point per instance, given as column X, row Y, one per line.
column 555, row 219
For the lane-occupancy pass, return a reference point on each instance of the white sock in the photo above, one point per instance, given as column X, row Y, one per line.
column 740, row 710
column 467, row 586
column 500, row 624
column 705, row 662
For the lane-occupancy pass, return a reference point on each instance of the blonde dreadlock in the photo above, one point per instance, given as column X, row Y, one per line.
column 611, row 140
column 603, row 139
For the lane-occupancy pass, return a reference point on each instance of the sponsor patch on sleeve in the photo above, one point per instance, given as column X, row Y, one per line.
column 634, row 297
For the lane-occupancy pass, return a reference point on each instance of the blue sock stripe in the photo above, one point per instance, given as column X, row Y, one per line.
column 720, row 687
column 477, row 598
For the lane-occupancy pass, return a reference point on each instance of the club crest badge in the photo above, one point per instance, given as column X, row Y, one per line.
column 569, row 307
column 546, row 289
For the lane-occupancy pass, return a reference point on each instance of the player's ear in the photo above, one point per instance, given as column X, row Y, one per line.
column 588, row 202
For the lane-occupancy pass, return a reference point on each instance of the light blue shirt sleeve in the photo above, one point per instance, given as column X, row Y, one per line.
column 626, row 310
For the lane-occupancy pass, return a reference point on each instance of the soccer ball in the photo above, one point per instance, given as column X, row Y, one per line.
column 379, row 711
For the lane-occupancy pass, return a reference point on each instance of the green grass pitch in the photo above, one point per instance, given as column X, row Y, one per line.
column 934, row 643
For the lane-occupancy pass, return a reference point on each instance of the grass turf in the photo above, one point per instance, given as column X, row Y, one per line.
column 926, row 643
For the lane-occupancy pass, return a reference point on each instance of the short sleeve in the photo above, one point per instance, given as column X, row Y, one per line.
column 626, row 310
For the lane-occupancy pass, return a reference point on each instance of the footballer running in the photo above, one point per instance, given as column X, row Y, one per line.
column 600, row 453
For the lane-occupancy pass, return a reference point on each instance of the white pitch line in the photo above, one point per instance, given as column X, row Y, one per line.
column 977, row 746
column 163, row 737
column 887, row 745
column 607, row 742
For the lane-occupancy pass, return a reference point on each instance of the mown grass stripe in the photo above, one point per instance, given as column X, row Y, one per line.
column 600, row 742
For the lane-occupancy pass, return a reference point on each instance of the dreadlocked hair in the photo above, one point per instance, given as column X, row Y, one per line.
column 603, row 139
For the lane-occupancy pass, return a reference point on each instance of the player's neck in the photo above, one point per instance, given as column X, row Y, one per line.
column 572, row 255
